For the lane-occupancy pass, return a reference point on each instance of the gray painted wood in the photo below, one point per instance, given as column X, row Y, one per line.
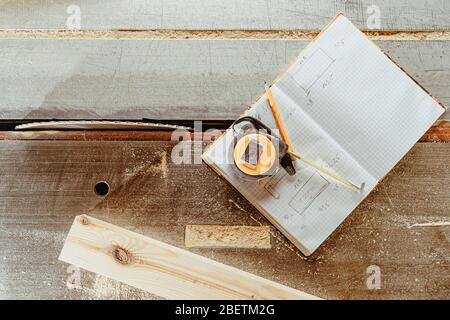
column 166, row 79
column 219, row 14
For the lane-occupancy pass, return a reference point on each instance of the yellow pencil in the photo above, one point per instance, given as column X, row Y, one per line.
column 276, row 115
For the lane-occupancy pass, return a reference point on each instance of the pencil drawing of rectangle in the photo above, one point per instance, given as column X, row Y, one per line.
column 312, row 188
column 271, row 185
column 314, row 66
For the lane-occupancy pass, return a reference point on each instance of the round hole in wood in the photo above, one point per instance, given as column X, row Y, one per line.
column 101, row 188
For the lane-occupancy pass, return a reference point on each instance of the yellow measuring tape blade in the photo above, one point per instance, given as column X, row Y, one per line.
column 328, row 173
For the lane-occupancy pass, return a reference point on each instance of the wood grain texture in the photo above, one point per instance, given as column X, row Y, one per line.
column 162, row 269
column 216, row 14
column 437, row 133
column 89, row 135
column 45, row 184
column 163, row 79
column 219, row 236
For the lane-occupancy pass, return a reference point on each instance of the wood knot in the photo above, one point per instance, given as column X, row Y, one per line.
column 84, row 221
column 122, row 255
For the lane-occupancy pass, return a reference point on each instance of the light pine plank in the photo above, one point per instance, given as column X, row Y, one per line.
column 221, row 236
column 162, row 269
column 218, row 14
column 164, row 79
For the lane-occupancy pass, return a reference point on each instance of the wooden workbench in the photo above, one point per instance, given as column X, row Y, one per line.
column 207, row 60
column 402, row 227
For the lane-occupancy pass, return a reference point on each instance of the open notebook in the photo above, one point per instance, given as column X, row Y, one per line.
column 347, row 107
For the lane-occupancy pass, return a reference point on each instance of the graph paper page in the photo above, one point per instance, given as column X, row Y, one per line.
column 359, row 96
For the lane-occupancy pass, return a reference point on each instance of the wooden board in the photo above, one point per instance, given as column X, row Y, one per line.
column 162, row 269
column 163, row 79
column 45, row 184
column 437, row 133
column 217, row 14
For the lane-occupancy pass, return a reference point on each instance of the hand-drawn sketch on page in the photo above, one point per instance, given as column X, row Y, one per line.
column 347, row 107
column 315, row 66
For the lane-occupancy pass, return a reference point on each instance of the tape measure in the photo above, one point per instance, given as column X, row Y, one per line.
column 257, row 152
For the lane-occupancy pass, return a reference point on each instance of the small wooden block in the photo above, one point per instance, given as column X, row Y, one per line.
column 216, row 236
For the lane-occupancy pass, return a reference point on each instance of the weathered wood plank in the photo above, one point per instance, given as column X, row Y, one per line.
column 219, row 236
column 163, row 79
column 217, row 14
column 438, row 133
column 162, row 269
column 87, row 135
column 45, row 184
